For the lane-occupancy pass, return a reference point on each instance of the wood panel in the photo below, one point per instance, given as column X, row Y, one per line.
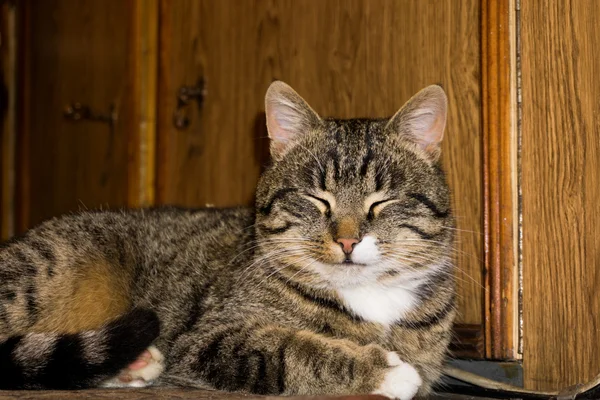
column 215, row 159
column 81, row 51
column 177, row 393
column 8, row 71
column 500, row 179
column 141, row 102
column 468, row 342
column 347, row 58
column 561, row 188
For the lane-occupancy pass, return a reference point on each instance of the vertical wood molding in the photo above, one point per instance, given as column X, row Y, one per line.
column 499, row 149
column 22, row 187
column 8, row 48
column 164, row 88
column 143, row 78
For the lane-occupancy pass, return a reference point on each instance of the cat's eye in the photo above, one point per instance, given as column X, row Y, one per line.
column 322, row 204
column 377, row 206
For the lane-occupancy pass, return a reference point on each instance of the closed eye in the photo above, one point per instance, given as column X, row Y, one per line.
column 323, row 205
column 377, row 206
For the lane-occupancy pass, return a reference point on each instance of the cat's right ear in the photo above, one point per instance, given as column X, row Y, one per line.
column 288, row 117
column 422, row 121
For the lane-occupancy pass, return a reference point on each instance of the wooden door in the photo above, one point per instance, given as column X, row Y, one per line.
column 217, row 158
column 561, row 188
column 347, row 59
column 88, row 52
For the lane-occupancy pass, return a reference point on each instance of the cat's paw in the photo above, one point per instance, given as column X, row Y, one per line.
column 401, row 381
column 141, row 373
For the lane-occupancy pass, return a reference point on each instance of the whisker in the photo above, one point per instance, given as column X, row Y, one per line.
column 303, row 268
column 256, row 246
column 415, row 243
column 270, row 257
column 261, row 243
column 286, row 265
column 448, row 272
column 461, row 230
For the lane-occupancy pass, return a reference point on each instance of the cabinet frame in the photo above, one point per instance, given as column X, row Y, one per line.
column 500, row 179
column 499, row 336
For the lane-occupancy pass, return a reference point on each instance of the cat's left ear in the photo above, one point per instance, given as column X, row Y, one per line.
column 422, row 120
column 288, row 117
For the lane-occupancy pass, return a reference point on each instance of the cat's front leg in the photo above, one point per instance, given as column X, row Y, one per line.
column 401, row 381
column 276, row 360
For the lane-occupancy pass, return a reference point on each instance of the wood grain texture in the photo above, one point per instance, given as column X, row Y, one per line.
column 468, row 342
column 141, row 102
column 214, row 160
column 347, row 59
column 73, row 51
column 8, row 71
column 23, row 119
column 160, row 393
column 174, row 393
column 499, row 181
column 561, row 188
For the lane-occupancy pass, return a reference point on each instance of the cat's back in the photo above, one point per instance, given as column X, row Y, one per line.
column 141, row 243
column 179, row 221
column 205, row 236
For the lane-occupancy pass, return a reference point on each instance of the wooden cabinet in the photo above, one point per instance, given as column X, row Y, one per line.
column 73, row 52
column 560, row 171
column 177, row 89
column 143, row 144
column 348, row 59
column 8, row 91
column 217, row 156
column 81, row 109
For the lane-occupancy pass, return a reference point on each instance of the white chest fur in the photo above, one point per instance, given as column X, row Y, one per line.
column 379, row 303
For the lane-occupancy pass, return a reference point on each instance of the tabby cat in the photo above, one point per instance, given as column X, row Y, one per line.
column 339, row 281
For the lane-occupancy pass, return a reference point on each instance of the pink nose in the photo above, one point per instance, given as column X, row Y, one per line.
column 347, row 244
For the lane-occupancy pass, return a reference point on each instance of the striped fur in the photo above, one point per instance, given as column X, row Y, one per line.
column 79, row 360
column 257, row 300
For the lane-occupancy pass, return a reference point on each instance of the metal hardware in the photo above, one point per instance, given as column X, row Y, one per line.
column 80, row 112
column 185, row 95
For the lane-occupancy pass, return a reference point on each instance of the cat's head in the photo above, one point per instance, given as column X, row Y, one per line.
column 351, row 202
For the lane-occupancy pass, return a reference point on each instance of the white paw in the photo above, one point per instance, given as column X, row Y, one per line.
column 141, row 373
column 401, row 381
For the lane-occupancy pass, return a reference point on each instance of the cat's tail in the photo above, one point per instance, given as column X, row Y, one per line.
column 81, row 360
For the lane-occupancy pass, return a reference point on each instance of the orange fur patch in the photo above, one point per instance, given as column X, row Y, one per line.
column 99, row 293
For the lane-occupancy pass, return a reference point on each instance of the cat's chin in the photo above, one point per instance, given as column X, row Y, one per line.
column 347, row 264
column 339, row 275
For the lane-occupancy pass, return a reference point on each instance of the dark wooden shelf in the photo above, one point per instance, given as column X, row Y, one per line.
column 179, row 393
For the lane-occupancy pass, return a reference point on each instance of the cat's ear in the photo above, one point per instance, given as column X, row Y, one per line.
column 288, row 117
column 422, row 120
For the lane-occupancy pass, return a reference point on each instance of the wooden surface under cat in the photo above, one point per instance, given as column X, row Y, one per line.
column 178, row 393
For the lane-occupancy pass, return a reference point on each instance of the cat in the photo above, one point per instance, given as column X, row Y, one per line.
column 339, row 281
